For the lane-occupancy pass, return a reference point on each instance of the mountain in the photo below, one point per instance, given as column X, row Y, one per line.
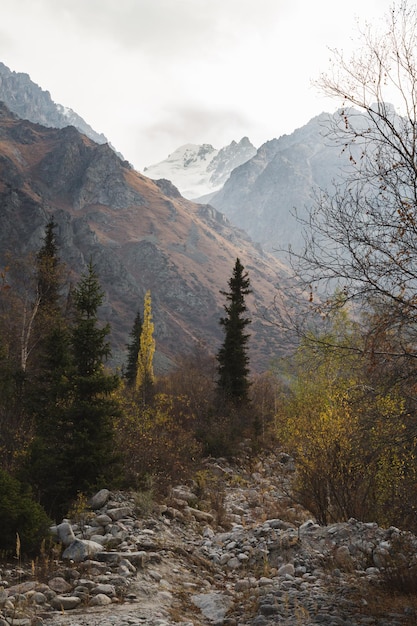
column 25, row 98
column 262, row 195
column 140, row 234
column 199, row 170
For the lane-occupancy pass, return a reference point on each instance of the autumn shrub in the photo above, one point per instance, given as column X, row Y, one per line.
column 220, row 434
column 156, row 442
column 20, row 516
column 347, row 438
column 399, row 571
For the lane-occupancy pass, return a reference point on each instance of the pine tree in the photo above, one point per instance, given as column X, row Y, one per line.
column 133, row 350
column 145, row 375
column 48, row 269
column 42, row 310
column 47, row 388
column 232, row 357
column 90, row 418
column 52, row 350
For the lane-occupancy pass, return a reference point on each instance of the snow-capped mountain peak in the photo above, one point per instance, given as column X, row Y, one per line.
column 200, row 169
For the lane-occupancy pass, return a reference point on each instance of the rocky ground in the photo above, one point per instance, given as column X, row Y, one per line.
column 229, row 549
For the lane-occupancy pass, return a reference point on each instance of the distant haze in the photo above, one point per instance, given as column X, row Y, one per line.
column 153, row 75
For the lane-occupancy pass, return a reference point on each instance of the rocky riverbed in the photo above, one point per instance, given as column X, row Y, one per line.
column 230, row 548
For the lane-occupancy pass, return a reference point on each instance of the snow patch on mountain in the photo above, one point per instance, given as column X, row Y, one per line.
column 197, row 170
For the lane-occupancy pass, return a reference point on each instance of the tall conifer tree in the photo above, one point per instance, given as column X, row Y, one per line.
column 93, row 408
column 133, row 350
column 233, row 382
column 47, row 389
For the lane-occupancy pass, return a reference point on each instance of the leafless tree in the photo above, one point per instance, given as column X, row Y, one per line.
column 361, row 238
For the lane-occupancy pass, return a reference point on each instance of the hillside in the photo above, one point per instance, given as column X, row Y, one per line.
column 141, row 235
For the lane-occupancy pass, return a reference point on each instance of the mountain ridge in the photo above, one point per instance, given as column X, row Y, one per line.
column 141, row 235
column 29, row 101
column 263, row 194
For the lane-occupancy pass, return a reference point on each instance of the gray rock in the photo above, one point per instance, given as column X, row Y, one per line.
column 106, row 589
column 65, row 533
column 213, row 606
column 65, row 603
column 119, row 513
column 181, row 492
column 268, row 609
column 200, row 516
column 81, row 549
column 99, row 499
column 38, row 598
column 102, row 520
column 101, row 599
column 59, row 585
column 287, row 569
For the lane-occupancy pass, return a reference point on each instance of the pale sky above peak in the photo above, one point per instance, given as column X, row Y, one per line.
column 155, row 74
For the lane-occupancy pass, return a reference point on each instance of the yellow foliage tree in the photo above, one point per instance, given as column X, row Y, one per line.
column 346, row 436
column 145, row 377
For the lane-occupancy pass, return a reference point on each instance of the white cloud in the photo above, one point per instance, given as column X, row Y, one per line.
column 153, row 74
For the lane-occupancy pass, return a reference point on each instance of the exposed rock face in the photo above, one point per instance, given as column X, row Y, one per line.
column 140, row 235
column 25, row 98
column 263, row 195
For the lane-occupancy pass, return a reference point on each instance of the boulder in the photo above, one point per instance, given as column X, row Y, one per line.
column 119, row 513
column 59, row 585
column 99, row 499
column 65, row 533
column 81, row 549
column 65, row 603
column 101, row 599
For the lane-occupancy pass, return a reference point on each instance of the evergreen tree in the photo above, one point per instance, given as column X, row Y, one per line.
column 90, row 418
column 232, row 357
column 48, row 270
column 42, row 309
column 49, row 324
column 48, row 392
column 145, row 375
column 133, row 350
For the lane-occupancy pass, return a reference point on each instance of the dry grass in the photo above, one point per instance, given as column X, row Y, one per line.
column 380, row 603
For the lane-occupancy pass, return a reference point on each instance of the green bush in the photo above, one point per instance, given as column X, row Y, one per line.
column 20, row 515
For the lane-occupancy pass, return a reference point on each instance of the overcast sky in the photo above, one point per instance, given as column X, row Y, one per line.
column 155, row 74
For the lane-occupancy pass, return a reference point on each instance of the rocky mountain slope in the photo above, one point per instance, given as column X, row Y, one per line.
column 263, row 195
column 239, row 552
column 200, row 170
column 140, row 234
column 25, row 98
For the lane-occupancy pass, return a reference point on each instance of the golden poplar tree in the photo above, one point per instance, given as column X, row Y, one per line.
column 145, row 377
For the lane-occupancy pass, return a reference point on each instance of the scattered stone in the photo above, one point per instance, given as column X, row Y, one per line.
column 121, row 569
column 119, row 513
